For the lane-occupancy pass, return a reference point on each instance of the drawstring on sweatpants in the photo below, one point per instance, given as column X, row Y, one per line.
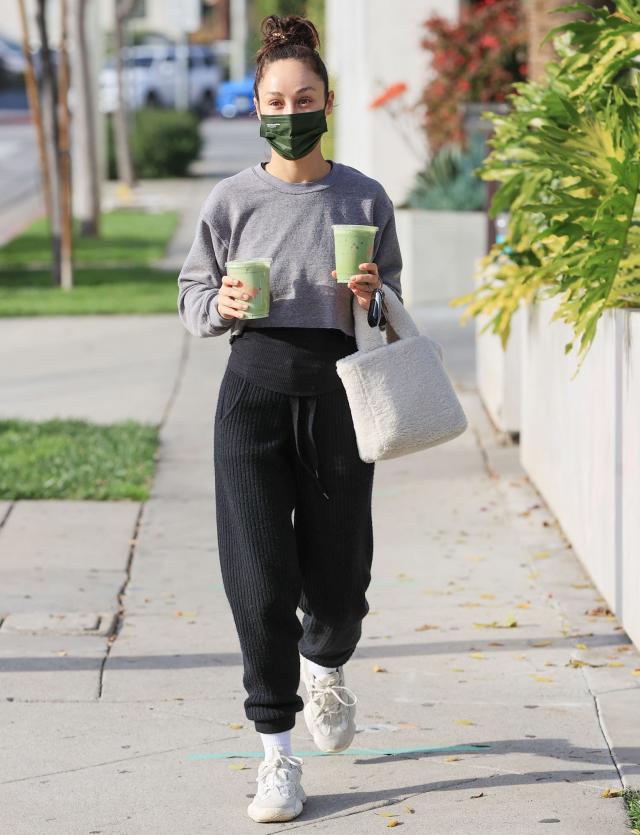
column 294, row 401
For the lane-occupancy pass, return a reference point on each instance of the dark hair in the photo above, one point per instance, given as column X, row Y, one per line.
column 289, row 37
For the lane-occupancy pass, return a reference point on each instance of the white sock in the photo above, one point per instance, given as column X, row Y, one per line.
column 282, row 740
column 319, row 671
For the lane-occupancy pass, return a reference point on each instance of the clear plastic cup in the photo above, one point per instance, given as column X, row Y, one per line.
column 254, row 273
column 353, row 246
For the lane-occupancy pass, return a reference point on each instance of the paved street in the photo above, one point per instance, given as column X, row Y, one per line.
column 489, row 699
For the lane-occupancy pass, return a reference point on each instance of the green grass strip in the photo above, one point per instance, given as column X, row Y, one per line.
column 75, row 459
column 632, row 800
column 126, row 236
column 96, row 291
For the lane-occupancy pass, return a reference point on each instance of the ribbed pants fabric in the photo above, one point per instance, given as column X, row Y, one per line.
column 271, row 564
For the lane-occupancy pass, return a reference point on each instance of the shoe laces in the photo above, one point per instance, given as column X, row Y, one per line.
column 327, row 698
column 276, row 773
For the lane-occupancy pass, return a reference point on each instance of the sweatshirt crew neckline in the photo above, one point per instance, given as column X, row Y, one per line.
column 297, row 188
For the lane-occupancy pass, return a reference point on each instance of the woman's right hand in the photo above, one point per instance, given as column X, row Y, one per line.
column 232, row 298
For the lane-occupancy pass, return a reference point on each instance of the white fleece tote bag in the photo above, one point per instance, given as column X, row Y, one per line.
column 399, row 393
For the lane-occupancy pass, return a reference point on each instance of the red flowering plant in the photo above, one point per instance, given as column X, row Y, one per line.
column 477, row 58
column 405, row 115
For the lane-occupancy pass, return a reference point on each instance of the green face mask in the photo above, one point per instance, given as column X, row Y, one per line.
column 293, row 135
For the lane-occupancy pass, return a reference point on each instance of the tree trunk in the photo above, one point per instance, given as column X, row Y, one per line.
column 123, row 151
column 66, row 216
column 31, row 85
column 48, row 101
column 540, row 19
column 86, row 176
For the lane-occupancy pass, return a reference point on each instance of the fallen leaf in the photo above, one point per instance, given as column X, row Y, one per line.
column 533, row 575
column 624, row 648
column 406, row 726
column 540, row 643
column 543, row 679
column 62, row 652
column 378, row 669
column 480, row 656
column 496, row 644
column 550, row 664
column 392, row 823
column 581, row 585
column 387, row 814
column 636, row 672
column 451, row 759
column 488, row 596
column 612, row 793
column 474, row 558
column 235, row 725
column 403, row 576
column 473, row 796
column 470, row 605
column 523, row 605
column 425, row 626
column 238, row 767
column 521, row 657
column 616, row 664
column 600, row 612
column 464, row 722
column 541, row 555
column 581, row 646
column 410, row 810
column 577, row 662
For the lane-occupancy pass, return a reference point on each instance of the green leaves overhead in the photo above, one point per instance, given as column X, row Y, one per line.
column 567, row 158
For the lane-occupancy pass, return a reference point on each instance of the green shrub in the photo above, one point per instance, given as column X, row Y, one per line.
column 163, row 143
column 449, row 182
column 568, row 161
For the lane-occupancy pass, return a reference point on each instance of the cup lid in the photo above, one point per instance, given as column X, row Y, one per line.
column 249, row 262
column 347, row 227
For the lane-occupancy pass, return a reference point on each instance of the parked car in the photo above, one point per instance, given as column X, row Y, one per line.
column 12, row 60
column 12, row 65
column 151, row 78
column 235, row 98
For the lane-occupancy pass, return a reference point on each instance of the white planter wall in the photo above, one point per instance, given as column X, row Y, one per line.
column 629, row 467
column 579, row 444
column 440, row 251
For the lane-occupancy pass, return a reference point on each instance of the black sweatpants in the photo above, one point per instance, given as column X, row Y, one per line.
column 267, row 446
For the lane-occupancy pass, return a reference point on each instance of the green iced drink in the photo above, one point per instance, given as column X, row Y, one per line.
column 254, row 275
column 354, row 246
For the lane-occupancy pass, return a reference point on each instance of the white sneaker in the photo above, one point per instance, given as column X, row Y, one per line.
column 329, row 717
column 280, row 795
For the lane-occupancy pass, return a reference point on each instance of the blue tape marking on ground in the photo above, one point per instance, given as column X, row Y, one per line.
column 350, row 752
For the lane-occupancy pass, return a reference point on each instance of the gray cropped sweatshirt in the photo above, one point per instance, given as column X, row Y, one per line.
column 256, row 215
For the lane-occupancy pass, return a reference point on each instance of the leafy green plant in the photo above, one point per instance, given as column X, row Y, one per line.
column 449, row 180
column 568, row 159
column 163, row 143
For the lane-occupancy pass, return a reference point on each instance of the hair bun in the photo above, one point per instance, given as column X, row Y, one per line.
column 294, row 29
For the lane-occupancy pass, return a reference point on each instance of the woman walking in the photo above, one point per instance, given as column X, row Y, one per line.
column 293, row 497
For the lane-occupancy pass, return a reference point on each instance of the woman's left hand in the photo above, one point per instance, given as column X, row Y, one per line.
column 363, row 284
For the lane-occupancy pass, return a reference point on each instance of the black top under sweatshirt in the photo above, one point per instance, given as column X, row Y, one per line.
column 294, row 361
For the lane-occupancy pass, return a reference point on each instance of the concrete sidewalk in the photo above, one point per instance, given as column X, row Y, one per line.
column 120, row 671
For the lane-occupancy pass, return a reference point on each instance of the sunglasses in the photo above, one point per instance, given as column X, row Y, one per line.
column 375, row 314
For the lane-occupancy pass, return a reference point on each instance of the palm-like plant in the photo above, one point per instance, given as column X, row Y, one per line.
column 568, row 159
